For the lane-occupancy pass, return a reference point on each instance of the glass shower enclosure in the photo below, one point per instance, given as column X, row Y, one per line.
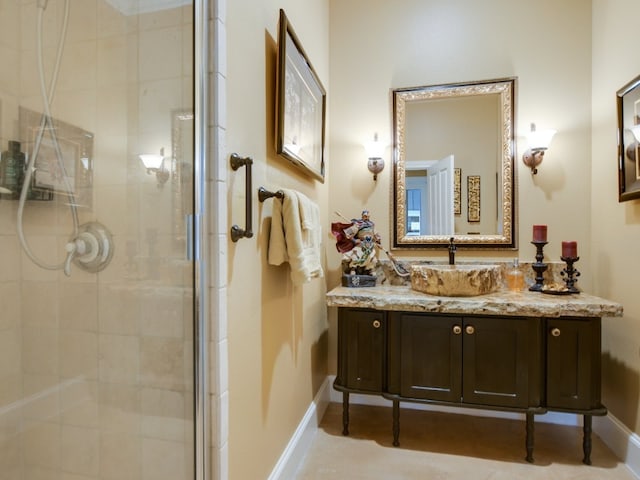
column 97, row 286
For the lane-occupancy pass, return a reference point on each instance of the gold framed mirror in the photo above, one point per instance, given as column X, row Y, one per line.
column 453, row 172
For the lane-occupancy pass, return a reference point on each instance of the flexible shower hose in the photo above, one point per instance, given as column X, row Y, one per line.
column 47, row 99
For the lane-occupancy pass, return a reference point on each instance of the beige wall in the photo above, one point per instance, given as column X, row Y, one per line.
column 377, row 45
column 575, row 191
column 277, row 341
column 564, row 81
column 615, row 226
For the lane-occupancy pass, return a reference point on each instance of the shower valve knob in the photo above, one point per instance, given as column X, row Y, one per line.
column 79, row 246
column 91, row 249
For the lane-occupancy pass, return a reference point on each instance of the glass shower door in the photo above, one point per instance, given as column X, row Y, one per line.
column 97, row 288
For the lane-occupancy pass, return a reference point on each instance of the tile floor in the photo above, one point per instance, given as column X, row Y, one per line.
column 447, row 446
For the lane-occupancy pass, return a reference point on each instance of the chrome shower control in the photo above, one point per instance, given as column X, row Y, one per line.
column 91, row 249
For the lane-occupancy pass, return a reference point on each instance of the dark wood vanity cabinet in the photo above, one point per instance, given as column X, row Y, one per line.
column 523, row 364
column 477, row 360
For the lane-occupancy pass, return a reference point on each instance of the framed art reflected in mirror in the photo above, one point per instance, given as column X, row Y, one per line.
column 473, row 198
column 628, row 106
column 301, row 105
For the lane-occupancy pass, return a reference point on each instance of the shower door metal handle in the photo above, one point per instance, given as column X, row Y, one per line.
column 236, row 232
column 190, row 220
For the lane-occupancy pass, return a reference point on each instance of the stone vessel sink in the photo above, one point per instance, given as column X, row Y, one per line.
column 456, row 280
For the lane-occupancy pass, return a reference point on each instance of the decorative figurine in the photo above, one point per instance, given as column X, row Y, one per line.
column 358, row 242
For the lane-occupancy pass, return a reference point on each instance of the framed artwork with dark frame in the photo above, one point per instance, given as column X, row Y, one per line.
column 628, row 106
column 301, row 105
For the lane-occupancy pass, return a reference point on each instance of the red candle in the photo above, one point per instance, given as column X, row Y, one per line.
column 539, row 233
column 570, row 249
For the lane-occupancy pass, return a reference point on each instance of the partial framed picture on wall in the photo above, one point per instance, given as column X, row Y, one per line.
column 628, row 107
column 301, row 105
column 473, row 198
column 457, row 185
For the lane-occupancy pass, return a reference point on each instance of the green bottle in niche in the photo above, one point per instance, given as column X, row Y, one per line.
column 12, row 170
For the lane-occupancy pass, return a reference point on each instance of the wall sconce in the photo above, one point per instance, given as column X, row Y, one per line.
column 293, row 147
column 538, row 143
column 375, row 149
column 155, row 164
column 632, row 149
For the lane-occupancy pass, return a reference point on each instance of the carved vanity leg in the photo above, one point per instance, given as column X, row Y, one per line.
column 396, row 422
column 529, row 441
column 345, row 413
column 586, row 440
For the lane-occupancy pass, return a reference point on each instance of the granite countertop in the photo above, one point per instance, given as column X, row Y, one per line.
column 506, row 303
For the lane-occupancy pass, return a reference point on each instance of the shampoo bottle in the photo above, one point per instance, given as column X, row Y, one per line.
column 515, row 278
column 12, row 170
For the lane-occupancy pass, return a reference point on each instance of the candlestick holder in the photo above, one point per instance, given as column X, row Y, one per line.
column 570, row 273
column 539, row 267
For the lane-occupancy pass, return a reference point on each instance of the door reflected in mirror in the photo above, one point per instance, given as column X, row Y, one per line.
column 453, row 165
column 429, row 197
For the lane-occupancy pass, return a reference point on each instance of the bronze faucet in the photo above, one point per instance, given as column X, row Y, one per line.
column 452, row 252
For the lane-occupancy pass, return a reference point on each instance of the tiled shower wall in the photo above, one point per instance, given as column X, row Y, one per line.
column 218, row 349
column 96, row 369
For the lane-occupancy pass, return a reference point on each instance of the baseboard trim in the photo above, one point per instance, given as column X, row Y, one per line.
column 622, row 442
column 300, row 442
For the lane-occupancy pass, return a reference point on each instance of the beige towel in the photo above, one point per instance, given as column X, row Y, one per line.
column 296, row 236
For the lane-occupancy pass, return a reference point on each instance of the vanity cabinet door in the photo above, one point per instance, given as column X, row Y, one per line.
column 431, row 357
column 499, row 361
column 573, row 363
column 361, row 349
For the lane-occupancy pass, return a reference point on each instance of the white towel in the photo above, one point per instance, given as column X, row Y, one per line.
column 296, row 236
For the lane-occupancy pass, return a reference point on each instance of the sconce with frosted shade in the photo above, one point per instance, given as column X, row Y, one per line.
column 375, row 150
column 293, row 148
column 632, row 149
column 635, row 130
column 155, row 164
column 539, row 141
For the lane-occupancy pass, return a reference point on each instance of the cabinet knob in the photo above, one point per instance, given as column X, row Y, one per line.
column 470, row 330
column 555, row 332
column 457, row 329
column 376, row 324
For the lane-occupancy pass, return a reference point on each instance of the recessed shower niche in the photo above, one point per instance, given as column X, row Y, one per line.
column 64, row 157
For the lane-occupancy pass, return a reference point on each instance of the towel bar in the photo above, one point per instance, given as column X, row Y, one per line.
column 263, row 194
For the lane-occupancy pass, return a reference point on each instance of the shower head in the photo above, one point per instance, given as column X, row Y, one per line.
column 42, row 4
